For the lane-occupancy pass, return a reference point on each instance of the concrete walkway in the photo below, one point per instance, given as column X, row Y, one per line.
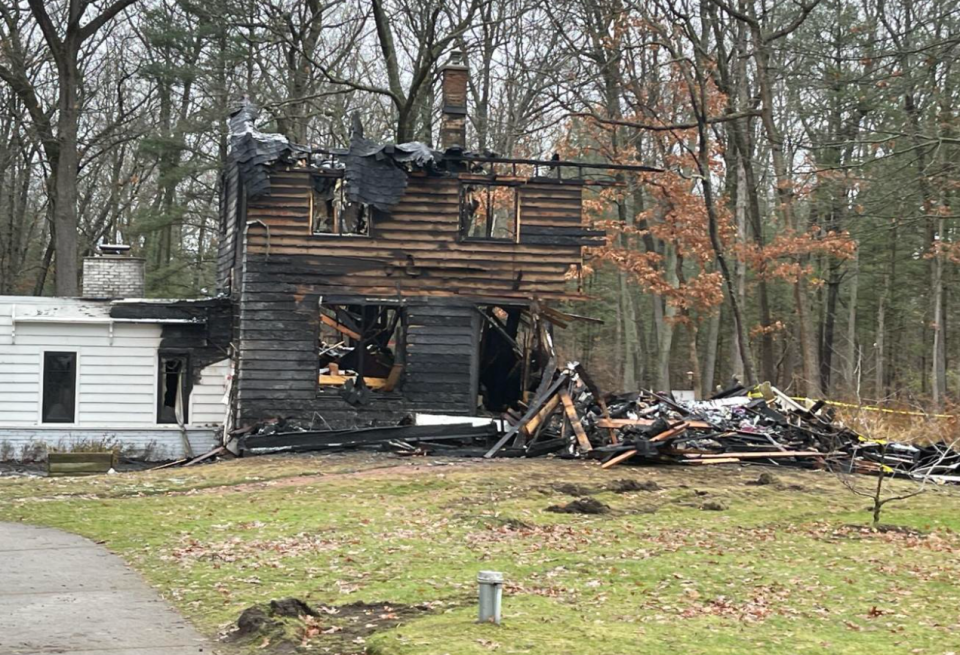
column 60, row 593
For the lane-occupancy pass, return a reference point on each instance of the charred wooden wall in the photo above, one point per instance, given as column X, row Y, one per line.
column 279, row 366
column 416, row 250
column 231, row 228
column 207, row 341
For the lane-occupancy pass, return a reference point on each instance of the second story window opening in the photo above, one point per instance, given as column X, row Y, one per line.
column 489, row 211
column 332, row 213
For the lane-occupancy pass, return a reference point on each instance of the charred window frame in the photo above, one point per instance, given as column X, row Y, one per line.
column 60, row 381
column 332, row 213
column 173, row 389
column 489, row 211
column 361, row 348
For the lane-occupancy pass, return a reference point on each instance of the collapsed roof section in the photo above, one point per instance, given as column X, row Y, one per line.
column 375, row 174
column 254, row 151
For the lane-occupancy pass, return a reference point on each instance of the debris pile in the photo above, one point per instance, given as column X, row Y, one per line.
column 570, row 417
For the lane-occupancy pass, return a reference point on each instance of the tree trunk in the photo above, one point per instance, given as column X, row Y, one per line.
column 631, row 345
column 710, row 359
column 938, row 371
column 665, row 333
column 851, row 365
column 879, row 372
column 740, row 213
column 829, row 324
column 65, row 209
column 784, row 190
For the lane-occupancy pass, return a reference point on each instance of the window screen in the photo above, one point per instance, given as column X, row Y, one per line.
column 59, row 387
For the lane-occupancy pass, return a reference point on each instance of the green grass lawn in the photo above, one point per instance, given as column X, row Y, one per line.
column 783, row 569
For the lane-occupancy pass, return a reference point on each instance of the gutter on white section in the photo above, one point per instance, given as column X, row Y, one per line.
column 109, row 322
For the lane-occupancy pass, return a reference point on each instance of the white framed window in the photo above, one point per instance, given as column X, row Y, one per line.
column 60, row 381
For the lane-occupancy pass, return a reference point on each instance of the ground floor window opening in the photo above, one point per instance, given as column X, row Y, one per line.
column 173, row 390
column 361, row 349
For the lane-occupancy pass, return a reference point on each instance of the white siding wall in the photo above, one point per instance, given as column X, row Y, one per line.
column 117, row 381
column 117, row 386
column 206, row 399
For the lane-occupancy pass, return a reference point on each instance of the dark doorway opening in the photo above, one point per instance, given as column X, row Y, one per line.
column 513, row 356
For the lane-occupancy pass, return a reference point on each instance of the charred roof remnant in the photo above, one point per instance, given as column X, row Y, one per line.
column 373, row 172
column 254, row 151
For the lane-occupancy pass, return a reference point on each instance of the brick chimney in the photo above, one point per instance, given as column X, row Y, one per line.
column 113, row 274
column 453, row 123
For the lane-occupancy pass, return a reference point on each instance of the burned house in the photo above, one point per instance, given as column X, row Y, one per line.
column 381, row 280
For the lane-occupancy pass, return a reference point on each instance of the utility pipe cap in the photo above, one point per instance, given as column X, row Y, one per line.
column 490, row 577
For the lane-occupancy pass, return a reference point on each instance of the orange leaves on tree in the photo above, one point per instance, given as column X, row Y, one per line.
column 782, row 258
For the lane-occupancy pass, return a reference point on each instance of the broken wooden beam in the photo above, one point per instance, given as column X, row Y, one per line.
column 707, row 462
column 670, row 432
column 574, row 418
column 754, row 454
column 533, row 424
column 644, row 422
column 207, row 455
column 622, row 457
column 342, row 329
column 535, row 407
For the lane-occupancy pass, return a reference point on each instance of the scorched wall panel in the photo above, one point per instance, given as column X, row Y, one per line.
column 416, row 250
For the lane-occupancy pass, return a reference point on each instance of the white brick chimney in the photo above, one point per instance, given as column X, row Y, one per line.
column 113, row 274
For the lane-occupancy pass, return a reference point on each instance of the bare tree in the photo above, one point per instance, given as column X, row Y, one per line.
column 65, row 32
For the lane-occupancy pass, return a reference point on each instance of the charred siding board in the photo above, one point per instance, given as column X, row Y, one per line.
column 416, row 250
column 441, row 347
column 228, row 227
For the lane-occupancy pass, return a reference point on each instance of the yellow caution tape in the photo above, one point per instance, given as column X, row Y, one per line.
column 876, row 409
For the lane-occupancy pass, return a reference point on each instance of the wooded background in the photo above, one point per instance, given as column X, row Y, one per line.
column 803, row 230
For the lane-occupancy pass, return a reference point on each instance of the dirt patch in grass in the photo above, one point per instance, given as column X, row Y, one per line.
column 571, row 489
column 580, row 506
column 764, row 479
column 628, row 485
column 289, row 625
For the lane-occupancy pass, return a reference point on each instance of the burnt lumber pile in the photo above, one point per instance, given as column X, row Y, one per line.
column 570, row 418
